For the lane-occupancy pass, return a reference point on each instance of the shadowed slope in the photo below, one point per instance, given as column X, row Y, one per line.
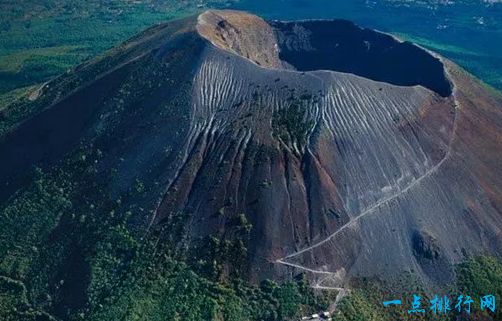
column 343, row 46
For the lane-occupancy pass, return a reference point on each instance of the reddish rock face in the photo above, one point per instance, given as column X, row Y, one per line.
column 341, row 173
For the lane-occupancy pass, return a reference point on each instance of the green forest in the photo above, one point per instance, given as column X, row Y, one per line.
column 42, row 39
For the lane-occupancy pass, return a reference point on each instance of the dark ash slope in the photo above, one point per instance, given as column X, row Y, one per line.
column 340, row 174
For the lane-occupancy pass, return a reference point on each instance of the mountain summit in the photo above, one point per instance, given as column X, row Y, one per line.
column 314, row 147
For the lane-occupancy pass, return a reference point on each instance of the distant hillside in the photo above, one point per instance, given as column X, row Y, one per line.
column 41, row 39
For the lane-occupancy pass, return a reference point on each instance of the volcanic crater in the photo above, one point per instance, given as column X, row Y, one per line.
column 337, row 144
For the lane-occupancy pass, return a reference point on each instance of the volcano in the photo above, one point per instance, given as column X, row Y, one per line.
column 349, row 152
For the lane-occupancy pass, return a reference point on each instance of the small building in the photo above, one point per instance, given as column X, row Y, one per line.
column 324, row 316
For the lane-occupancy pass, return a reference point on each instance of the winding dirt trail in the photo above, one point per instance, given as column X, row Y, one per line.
column 369, row 210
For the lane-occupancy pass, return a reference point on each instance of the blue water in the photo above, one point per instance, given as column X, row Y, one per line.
column 468, row 32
